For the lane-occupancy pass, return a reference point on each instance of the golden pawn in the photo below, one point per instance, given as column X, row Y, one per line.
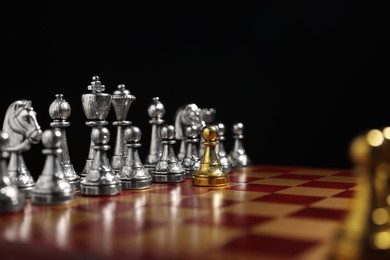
column 210, row 171
column 366, row 231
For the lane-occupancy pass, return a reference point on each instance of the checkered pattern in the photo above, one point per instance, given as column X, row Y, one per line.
column 265, row 212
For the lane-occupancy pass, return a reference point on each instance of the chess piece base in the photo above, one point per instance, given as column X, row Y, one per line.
column 52, row 198
column 189, row 173
column 7, row 208
column 100, row 190
column 150, row 168
column 164, row 177
column 26, row 190
column 75, row 184
column 12, row 203
column 136, row 184
column 213, row 181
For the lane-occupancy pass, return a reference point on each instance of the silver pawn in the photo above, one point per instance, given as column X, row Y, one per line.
column 59, row 111
column 11, row 199
column 207, row 117
column 52, row 187
column 96, row 107
column 168, row 168
column 133, row 174
column 156, row 111
column 191, row 159
column 223, row 157
column 121, row 100
column 238, row 156
column 101, row 179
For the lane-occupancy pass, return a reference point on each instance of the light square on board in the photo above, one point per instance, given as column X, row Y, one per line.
column 267, row 246
column 277, row 181
column 333, row 203
column 174, row 240
column 309, row 191
column 298, row 228
column 263, row 208
column 345, row 179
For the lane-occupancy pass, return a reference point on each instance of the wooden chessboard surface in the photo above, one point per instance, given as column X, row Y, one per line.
column 266, row 212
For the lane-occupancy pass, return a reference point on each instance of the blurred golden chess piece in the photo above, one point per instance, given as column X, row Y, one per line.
column 366, row 231
column 210, row 171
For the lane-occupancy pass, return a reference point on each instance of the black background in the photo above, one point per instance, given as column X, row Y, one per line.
column 305, row 78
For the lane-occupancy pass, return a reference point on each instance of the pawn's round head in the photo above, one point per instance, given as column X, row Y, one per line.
column 156, row 108
column 208, row 115
column 4, row 139
column 51, row 139
column 133, row 134
column 59, row 109
column 167, row 132
column 192, row 131
column 210, row 133
column 221, row 129
column 100, row 135
column 369, row 148
column 238, row 128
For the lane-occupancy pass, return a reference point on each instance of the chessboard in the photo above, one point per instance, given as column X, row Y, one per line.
column 265, row 212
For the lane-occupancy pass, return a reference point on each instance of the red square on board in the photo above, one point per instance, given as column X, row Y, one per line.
column 288, row 199
column 346, row 194
column 203, row 203
column 345, row 173
column 321, row 213
column 328, row 185
column 229, row 220
column 268, row 245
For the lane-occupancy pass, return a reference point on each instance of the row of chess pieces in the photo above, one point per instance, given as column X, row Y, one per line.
column 202, row 156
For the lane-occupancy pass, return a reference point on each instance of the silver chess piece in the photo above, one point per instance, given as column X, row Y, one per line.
column 191, row 159
column 238, row 156
column 52, row 186
column 207, row 117
column 223, row 157
column 101, row 179
column 11, row 199
column 121, row 100
column 168, row 168
column 59, row 111
column 133, row 174
column 20, row 122
column 96, row 107
column 185, row 116
column 156, row 111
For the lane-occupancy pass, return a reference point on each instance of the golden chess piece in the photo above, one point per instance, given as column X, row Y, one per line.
column 210, row 171
column 366, row 231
